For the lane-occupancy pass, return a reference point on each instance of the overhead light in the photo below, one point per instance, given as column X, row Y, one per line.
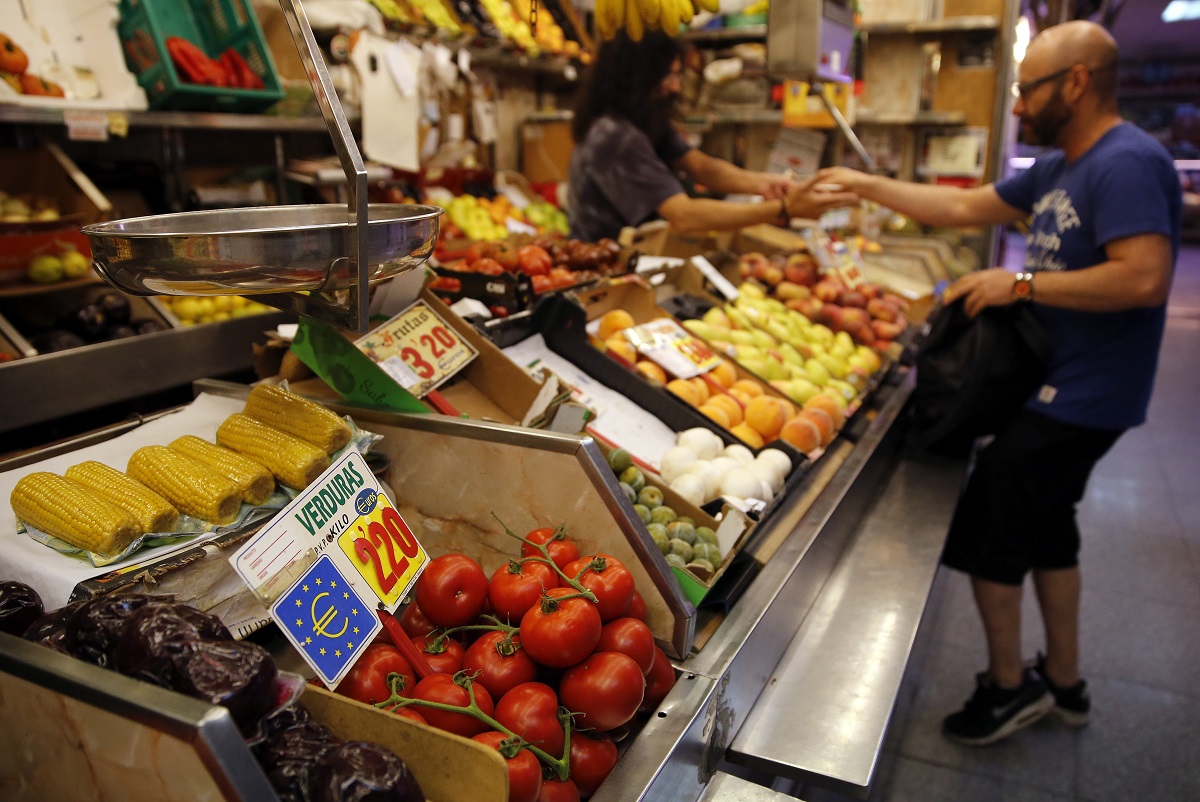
column 1181, row 11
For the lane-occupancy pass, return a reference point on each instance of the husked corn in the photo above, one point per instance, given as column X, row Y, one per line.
column 297, row 416
column 152, row 512
column 293, row 461
column 195, row 489
column 254, row 481
column 72, row 513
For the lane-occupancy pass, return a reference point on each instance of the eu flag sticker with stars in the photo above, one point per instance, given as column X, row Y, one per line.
column 326, row 620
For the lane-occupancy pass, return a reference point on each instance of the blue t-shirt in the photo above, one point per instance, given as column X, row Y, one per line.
column 1102, row 369
column 617, row 178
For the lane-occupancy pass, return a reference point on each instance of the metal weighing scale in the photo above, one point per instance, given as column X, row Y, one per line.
column 315, row 260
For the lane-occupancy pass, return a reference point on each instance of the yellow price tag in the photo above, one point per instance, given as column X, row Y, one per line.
column 417, row 349
column 384, row 551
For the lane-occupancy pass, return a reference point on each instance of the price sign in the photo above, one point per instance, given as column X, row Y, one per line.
column 674, row 348
column 417, row 349
column 383, row 550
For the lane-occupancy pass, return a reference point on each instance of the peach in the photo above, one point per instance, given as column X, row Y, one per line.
column 703, row 391
column 619, row 346
column 725, row 374
column 717, row 414
column 728, row 403
column 765, row 415
column 651, row 372
column 746, row 433
column 748, row 386
column 822, row 420
column 613, row 321
column 801, row 433
column 685, row 390
column 830, row 406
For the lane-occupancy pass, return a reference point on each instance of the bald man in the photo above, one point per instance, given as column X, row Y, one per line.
column 1104, row 209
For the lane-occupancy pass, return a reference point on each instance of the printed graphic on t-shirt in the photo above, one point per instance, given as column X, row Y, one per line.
column 1054, row 214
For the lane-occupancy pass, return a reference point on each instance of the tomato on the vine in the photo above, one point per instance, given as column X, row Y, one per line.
column 605, row 689
column 561, row 548
column 516, row 586
column 630, row 637
column 414, row 621
column 452, row 590
column 608, row 578
column 637, row 607
column 559, row 632
column 531, row 711
column 442, row 688
column 556, row 790
column 524, row 769
column 500, row 661
column 592, row 759
column 659, row 681
column 367, row 679
column 411, row 714
column 449, row 657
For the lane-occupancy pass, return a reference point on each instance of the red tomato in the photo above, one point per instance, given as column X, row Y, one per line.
column 630, row 637
column 442, row 688
column 659, row 681
column 561, row 548
column 531, row 711
column 542, row 284
column 561, row 277
column 504, row 253
column 367, row 679
column 534, row 260
column 605, row 689
column 452, row 590
column 592, row 759
column 411, row 714
column 414, row 622
column 563, row 635
column 501, row 662
column 555, row 790
column 608, row 578
column 476, row 251
column 488, row 267
column 524, row 770
column 637, row 607
column 447, row 661
column 517, row 586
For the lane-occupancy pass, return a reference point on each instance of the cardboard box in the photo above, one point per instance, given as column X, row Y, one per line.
column 546, row 147
column 49, row 172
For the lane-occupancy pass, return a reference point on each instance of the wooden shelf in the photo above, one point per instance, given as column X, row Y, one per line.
column 744, row 33
column 24, row 287
column 982, row 22
column 46, row 115
column 866, row 117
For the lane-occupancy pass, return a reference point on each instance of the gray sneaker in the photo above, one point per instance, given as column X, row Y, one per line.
column 993, row 712
column 1072, row 704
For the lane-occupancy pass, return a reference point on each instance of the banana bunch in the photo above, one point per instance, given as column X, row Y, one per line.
column 639, row 16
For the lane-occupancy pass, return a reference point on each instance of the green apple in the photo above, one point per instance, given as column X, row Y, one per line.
column 75, row 264
column 800, row 390
column 816, row 368
column 45, row 269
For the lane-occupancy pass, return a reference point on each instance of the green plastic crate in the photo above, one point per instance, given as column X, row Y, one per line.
column 212, row 25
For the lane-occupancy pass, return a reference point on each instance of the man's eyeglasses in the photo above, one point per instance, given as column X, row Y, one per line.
column 1022, row 89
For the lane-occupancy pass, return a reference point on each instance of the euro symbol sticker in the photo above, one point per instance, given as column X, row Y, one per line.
column 321, row 623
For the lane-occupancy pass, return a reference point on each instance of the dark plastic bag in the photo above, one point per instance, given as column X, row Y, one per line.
column 975, row 374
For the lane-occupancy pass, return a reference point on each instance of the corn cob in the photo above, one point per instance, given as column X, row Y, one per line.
column 195, row 489
column 152, row 512
column 61, row 508
column 297, row 416
column 254, row 481
column 293, row 461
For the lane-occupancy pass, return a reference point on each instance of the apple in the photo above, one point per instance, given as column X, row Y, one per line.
column 887, row 330
column 882, row 310
column 787, row 290
column 800, row 269
column 854, row 314
column 853, row 298
column 828, row 290
column 830, row 315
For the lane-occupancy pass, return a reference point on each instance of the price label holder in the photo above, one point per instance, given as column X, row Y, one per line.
column 835, row 257
column 722, row 285
column 344, row 368
column 335, row 554
column 673, row 347
column 417, row 349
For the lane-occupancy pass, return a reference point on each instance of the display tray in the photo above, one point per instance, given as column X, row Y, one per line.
column 258, row 249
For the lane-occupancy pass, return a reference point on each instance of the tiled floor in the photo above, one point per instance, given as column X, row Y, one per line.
column 1140, row 629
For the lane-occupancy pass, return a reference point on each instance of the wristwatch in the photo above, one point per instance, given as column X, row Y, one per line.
column 1023, row 286
column 784, row 219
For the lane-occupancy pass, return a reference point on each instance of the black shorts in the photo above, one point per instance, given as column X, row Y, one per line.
column 1017, row 512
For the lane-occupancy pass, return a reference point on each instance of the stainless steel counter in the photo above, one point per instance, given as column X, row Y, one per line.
column 825, row 710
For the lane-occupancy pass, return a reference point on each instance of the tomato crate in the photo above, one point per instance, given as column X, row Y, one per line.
column 214, row 26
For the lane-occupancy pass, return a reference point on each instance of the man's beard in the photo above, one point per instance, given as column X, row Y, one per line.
column 1044, row 127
